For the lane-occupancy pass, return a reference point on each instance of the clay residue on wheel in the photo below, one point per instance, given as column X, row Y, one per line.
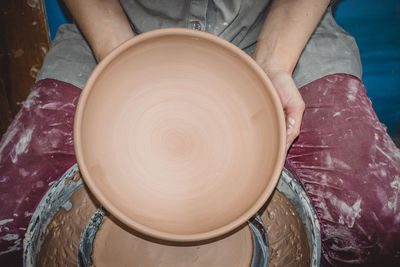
column 287, row 237
column 60, row 246
column 115, row 246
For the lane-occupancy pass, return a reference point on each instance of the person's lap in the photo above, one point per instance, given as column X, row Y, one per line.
column 350, row 169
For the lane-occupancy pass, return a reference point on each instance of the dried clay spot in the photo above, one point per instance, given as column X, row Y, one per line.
column 43, row 49
column 34, row 70
column 33, row 3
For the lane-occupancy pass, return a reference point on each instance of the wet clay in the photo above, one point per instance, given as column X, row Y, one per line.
column 60, row 246
column 287, row 237
column 189, row 127
column 114, row 246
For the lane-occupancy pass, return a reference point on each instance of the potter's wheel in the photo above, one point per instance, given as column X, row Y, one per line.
column 180, row 124
column 65, row 220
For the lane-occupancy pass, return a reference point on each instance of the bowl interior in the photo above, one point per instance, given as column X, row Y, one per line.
column 179, row 135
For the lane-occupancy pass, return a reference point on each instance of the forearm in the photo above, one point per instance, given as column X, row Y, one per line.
column 286, row 31
column 103, row 22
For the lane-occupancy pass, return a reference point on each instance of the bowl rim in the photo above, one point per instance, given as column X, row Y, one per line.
column 114, row 210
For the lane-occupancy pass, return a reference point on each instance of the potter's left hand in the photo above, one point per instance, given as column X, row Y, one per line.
column 286, row 31
column 292, row 102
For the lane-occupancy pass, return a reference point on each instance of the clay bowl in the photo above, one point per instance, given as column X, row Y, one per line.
column 180, row 135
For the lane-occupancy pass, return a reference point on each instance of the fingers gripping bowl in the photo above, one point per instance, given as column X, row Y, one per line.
column 180, row 135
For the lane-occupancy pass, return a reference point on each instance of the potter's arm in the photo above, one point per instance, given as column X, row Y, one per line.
column 103, row 22
column 286, row 31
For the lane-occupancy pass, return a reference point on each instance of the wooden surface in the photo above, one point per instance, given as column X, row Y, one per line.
column 24, row 43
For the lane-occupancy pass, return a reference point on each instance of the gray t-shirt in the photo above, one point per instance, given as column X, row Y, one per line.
column 330, row 49
column 239, row 22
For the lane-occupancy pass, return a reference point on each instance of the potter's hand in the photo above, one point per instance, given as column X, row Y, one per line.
column 287, row 28
column 292, row 102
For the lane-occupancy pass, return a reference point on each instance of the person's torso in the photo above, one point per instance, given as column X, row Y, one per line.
column 237, row 21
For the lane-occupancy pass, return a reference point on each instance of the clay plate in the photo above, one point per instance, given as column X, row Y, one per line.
column 180, row 135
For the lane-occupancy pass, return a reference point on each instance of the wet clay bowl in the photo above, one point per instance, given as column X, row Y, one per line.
column 180, row 135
